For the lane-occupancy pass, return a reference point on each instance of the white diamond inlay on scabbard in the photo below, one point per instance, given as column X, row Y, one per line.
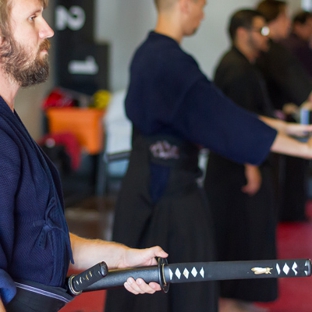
column 286, row 269
column 194, row 272
column 178, row 273
column 278, row 269
column 202, row 272
column 186, row 273
column 294, row 267
column 307, row 264
column 170, row 274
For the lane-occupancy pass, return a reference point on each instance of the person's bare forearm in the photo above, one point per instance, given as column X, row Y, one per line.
column 289, row 128
column 283, row 144
column 87, row 252
column 277, row 124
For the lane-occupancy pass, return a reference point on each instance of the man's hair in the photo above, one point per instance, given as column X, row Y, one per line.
column 271, row 9
column 302, row 17
column 5, row 10
column 242, row 18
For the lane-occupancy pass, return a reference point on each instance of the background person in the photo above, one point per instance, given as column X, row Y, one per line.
column 300, row 38
column 241, row 196
column 287, row 82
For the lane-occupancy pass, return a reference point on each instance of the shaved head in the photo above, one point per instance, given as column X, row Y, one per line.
column 163, row 5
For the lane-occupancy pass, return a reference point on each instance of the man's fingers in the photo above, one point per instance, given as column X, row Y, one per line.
column 140, row 287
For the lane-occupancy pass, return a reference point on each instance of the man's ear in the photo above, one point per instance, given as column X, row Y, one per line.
column 184, row 5
column 241, row 32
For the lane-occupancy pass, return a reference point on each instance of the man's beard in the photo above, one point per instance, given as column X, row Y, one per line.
column 15, row 62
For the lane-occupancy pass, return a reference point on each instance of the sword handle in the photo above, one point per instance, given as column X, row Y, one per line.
column 116, row 278
column 78, row 283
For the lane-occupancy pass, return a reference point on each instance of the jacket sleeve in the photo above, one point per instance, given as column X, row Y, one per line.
column 210, row 119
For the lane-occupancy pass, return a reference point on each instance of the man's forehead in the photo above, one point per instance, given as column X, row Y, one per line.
column 28, row 3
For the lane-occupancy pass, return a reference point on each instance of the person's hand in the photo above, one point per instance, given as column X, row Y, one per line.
column 140, row 287
column 307, row 105
column 309, row 143
column 254, row 180
column 297, row 130
column 290, row 109
column 133, row 257
column 141, row 257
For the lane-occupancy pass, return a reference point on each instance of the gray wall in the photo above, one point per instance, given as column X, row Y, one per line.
column 125, row 23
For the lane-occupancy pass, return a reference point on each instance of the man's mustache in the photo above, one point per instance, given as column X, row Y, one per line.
column 45, row 45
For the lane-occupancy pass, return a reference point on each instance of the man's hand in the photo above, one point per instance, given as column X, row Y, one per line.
column 88, row 252
column 2, row 308
column 254, row 180
column 141, row 257
column 140, row 287
column 133, row 257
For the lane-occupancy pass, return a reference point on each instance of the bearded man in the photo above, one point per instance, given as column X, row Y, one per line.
column 36, row 248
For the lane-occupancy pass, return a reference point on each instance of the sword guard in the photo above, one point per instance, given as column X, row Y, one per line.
column 162, row 262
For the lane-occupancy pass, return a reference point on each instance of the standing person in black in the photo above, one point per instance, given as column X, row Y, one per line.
column 175, row 110
column 287, row 82
column 241, row 196
column 299, row 42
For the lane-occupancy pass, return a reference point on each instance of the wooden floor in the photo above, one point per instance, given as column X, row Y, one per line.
column 94, row 217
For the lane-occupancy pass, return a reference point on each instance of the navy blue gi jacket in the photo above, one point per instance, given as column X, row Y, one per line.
column 34, row 238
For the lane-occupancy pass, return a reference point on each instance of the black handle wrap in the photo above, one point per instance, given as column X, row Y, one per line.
column 78, row 283
column 117, row 278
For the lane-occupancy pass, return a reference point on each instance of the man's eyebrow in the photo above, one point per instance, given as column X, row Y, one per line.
column 35, row 11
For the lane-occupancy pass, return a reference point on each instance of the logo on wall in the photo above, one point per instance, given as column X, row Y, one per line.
column 74, row 18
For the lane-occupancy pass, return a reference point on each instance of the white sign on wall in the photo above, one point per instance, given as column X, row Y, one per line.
column 74, row 18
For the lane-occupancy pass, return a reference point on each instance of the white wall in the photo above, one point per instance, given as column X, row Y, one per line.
column 125, row 24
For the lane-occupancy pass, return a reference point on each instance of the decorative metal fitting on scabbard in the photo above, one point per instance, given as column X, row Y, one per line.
column 162, row 262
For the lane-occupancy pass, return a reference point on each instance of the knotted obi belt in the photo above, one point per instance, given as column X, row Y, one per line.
column 169, row 151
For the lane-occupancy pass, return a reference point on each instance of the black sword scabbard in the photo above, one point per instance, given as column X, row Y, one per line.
column 165, row 274
column 212, row 271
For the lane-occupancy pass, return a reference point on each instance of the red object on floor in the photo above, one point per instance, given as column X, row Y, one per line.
column 87, row 302
column 294, row 241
